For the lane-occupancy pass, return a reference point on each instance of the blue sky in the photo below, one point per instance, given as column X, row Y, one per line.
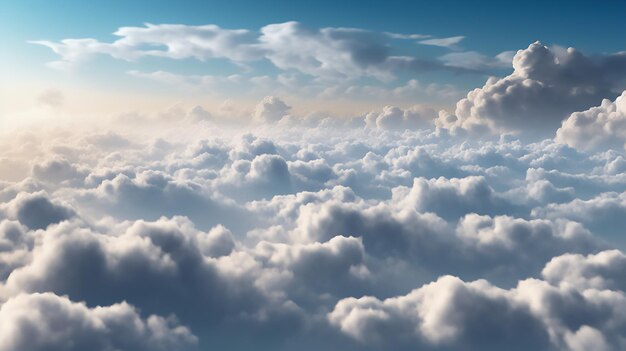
column 488, row 28
column 489, row 25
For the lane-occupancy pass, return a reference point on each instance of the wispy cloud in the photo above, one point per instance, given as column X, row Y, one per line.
column 328, row 53
column 450, row 42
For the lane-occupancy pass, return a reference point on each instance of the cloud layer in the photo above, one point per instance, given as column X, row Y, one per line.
column 401, row 228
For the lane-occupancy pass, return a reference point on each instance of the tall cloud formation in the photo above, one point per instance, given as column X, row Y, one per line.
column 547, row 85
column 389, row 230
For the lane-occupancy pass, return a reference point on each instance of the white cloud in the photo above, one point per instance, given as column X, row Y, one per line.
column 394, row 118
column 271, row 109
column 450, row 313
column 331, row 53
column 168, row 40
column 547, row 84
column 599, row 127
column 449, row 42
column 47, row 321
column 369, row 232
column 326, row 52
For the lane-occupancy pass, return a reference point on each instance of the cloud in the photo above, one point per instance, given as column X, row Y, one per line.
column 271, row 109
column 472, row 60
column 47, row 321
column 36, row 211
column 547, row 85
column 310, row 231
column 166, row 259
column 596, row 271
column 59, row 170
column 407, row 36
column 325, row 52
column 430, row 318
column 449, row 313
column 330, row 53
column 604, row 213
column 452, row 198
column 449, row 42
column 599, row 127
column 167, row 40
column 152, row 194
column 15, row 246
column 394, row 118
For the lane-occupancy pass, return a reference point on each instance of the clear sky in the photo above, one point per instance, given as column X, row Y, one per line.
column 485, row 29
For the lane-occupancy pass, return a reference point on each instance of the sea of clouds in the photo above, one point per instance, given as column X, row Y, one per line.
column 498, row 226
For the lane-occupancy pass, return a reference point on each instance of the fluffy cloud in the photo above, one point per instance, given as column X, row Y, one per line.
column 169, row 260
column 271, row 109
column 394, row 118
column 152, row 194
column 452, row 198
column 325, row 52
column 599, row 127
column 308, row 232
column 15, row 247
column 597, row 271
column 429, row 317
column 547, row 84
column 47, row 321
column 450, row 313
column 36, row 211
column 604, row 214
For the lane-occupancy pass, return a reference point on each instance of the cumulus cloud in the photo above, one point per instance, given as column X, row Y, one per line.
column 596, row 271
column 167, row 259
column 449, row 313
column 47, row 321
column 603, row 213
column 430, row 318
column 452, row 198
column 394, row 118
column 271, row 109
column 599, row 127
column 363, row 233
column 547, row 85
column 36, row 211
column 153, row 194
